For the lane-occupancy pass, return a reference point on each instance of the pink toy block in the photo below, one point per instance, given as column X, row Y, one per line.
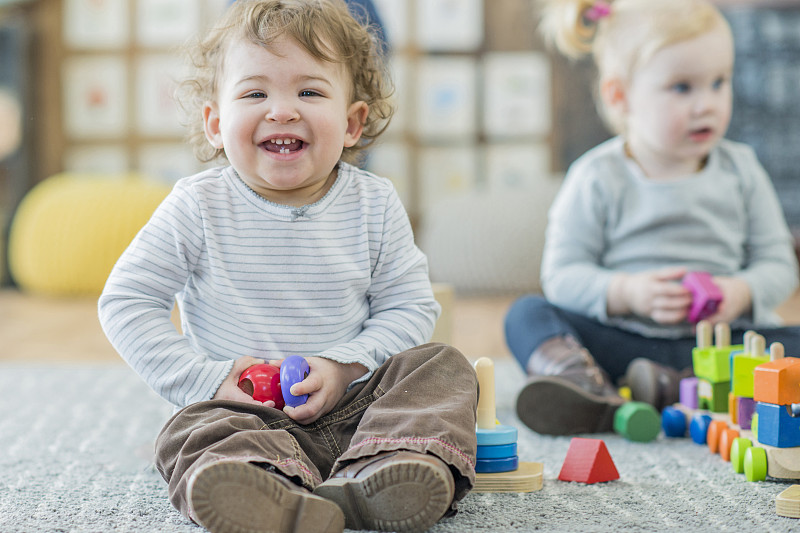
column 588, row 461
column 706, row 296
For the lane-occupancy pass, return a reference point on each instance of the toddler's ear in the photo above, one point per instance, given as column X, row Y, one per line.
column 211, row 124
column 612, row 92
column 356, row 118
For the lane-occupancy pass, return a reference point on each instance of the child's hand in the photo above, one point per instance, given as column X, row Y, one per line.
column 229, row 390
column 736, row 299
column 656, row 294
column 325, row 385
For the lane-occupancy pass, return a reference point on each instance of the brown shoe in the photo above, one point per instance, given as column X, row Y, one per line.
column 239, row 497
column 392, row 491
column 567, row 393
column 653, row 383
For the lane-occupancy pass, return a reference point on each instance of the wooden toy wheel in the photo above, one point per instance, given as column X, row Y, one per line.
column 726, row 441
column 715, row 429
column 738, row 449
column 698, row 427
column 755, row 464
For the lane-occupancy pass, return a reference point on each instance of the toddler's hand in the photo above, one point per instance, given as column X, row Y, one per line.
column 229, row 390
column 736, row 299
column 325, row 385
column 656, row 294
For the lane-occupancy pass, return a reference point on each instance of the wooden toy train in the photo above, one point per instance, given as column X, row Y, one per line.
column 744, row 403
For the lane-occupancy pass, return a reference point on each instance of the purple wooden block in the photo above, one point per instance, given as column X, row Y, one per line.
column 706, row 296
column 688, row 392
column 745, row 409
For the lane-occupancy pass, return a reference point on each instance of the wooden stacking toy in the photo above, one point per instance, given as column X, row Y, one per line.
column 498, row 466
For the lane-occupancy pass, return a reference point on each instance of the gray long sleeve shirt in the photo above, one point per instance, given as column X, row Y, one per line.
column 609, row 217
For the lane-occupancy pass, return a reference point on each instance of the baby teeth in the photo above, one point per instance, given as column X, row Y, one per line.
column 282, row 141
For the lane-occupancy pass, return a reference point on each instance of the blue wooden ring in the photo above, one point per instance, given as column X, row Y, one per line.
column 498, row 451
column 294, row 369
column 497, row 435
column 493, row 466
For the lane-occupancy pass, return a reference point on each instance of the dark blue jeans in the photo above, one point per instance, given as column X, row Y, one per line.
column 531, row 320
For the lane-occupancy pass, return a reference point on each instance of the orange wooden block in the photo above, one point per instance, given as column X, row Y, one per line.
column 726, row 441
column 732, row 408
column 715, row 429
column 777, row 382
column 588, row 461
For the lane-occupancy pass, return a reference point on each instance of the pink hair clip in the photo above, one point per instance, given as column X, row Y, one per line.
column 599, row 10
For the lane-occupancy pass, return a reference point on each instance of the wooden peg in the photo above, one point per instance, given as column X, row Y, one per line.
column 757, row 345
column 722, row 335
column 703, row 334
column 487, row 415
column 776, row 351
column 748, row 336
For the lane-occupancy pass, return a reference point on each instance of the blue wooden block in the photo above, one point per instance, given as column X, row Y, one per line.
column 776, row 425
column 498, row 451
column 497, row 435
column 698, row 427
column 673, row 422
column 493, row 466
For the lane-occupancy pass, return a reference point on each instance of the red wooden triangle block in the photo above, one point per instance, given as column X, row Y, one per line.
column 588, row 461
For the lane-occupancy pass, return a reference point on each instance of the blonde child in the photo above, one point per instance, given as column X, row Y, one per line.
column 666, row 196
column 289, row 249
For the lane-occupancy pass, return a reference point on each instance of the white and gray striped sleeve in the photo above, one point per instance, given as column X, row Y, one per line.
column 136, row 304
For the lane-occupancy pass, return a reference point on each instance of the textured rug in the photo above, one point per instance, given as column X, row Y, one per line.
column 75, row 456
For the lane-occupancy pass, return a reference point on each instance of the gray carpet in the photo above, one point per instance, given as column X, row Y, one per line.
column 75, row 457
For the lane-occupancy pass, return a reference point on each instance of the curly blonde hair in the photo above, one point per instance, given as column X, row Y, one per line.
column 325, row 28
column 623, row 35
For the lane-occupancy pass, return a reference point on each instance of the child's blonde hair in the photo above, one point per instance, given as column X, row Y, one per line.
column 623, row 35
column 325, row 28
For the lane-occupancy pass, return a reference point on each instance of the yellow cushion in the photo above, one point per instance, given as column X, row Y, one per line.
column 70, row 229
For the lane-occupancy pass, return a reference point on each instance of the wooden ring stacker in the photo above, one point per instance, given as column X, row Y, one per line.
column 490, row 434
column 497, row 445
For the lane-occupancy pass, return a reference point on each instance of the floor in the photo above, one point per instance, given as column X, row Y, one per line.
column 44, row 329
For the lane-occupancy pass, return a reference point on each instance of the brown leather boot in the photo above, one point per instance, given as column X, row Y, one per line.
column 567, row 393
column 653, row 383
column 235, row 496
column 392, row 491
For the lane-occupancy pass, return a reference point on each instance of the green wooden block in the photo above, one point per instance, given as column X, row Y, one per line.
column 744, row 366
column 713, row 396
column 714, row 364
column 637, row 421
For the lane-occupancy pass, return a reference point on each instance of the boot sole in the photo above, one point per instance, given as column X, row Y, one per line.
column 554, row 406
column 405, row 496
column 237, row 497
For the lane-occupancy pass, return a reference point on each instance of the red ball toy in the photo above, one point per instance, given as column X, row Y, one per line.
column 263, row 383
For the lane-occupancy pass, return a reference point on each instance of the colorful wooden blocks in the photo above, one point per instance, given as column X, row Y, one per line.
column 712, row 366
